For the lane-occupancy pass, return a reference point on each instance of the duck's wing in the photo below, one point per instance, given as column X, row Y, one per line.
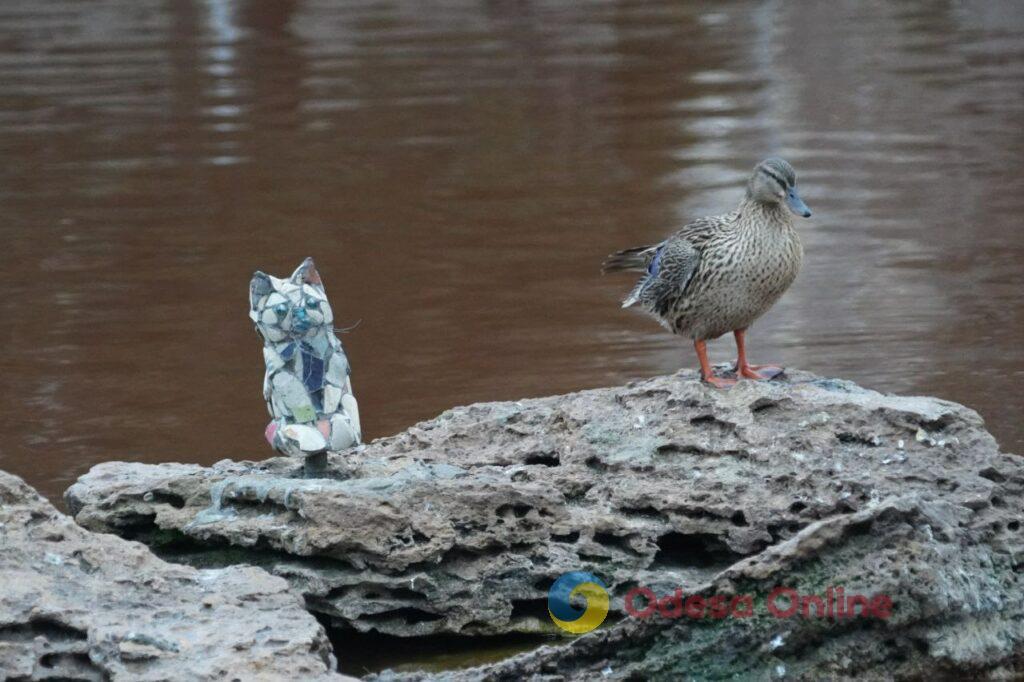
column 670, row 266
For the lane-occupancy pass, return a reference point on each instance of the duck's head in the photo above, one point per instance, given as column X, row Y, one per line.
column 774, row 182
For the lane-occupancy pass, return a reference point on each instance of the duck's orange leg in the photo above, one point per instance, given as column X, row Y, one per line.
column 748, row 371
column 705, row 367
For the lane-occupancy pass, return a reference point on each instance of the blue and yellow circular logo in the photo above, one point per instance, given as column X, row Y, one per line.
column 572, row 619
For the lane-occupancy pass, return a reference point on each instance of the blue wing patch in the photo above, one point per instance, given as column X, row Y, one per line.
column 655, row 265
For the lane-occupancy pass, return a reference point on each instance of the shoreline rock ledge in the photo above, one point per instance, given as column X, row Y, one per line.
column 76, row 605
column 460, row 524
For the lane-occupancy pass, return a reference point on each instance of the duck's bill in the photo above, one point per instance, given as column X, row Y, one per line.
column 796, row 204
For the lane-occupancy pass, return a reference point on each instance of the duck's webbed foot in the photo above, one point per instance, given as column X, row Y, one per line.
column 718, row 382
column 706, row 373
column 747, row 371
column 759, row 372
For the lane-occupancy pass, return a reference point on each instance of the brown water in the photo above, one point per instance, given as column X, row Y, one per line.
column 459, row 169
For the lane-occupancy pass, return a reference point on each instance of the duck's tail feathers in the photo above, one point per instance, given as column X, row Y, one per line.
column 636, row 259
column 634, row 295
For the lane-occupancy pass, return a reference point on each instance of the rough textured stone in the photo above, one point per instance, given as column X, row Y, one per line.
column 75, row 605
column 460, row 524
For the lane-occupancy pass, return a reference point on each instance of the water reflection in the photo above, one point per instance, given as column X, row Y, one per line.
column 459, row 173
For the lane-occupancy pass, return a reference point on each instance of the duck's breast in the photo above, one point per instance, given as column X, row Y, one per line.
column 745, row 280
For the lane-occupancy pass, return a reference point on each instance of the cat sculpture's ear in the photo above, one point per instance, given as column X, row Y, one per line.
column 306, row 273
column 259, row 286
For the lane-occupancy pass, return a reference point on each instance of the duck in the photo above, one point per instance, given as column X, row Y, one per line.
column 718, row 274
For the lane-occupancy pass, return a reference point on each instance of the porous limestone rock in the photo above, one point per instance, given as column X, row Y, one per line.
column 76, row 605
column 460, row 525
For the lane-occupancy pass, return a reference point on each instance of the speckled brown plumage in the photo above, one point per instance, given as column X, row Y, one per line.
column 719, row 274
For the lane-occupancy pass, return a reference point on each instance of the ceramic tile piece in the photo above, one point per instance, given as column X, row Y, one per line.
column 274, row 334
column 292, row 394
column 271, row 431
column 277, row 407
column 272, row 359
column 312, row 372
column 342, row 434
column 304, row 413
column 320, row 346
column 351, row 408
column 308, row 438
column 337, row 371
column 332, row 398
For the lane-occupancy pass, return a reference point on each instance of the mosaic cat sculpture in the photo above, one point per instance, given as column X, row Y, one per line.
column 307, row 385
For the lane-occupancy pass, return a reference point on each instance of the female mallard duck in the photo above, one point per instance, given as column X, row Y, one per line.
column 719, row 274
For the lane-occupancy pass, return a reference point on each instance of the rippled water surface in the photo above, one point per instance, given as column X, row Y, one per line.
column 459, row 169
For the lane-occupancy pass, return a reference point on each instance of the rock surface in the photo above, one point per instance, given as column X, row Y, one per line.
column 460, row 525
column 75, row 605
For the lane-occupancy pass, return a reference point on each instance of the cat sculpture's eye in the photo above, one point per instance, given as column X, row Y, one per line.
column 281, row 309
column 311, row 302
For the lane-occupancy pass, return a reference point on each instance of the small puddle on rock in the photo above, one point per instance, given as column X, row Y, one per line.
column 364, row 653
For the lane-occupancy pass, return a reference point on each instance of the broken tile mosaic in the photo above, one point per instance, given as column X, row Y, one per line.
column 306, row 384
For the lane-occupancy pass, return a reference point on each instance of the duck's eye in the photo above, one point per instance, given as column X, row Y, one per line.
column 311, row 302
column 281, row 309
